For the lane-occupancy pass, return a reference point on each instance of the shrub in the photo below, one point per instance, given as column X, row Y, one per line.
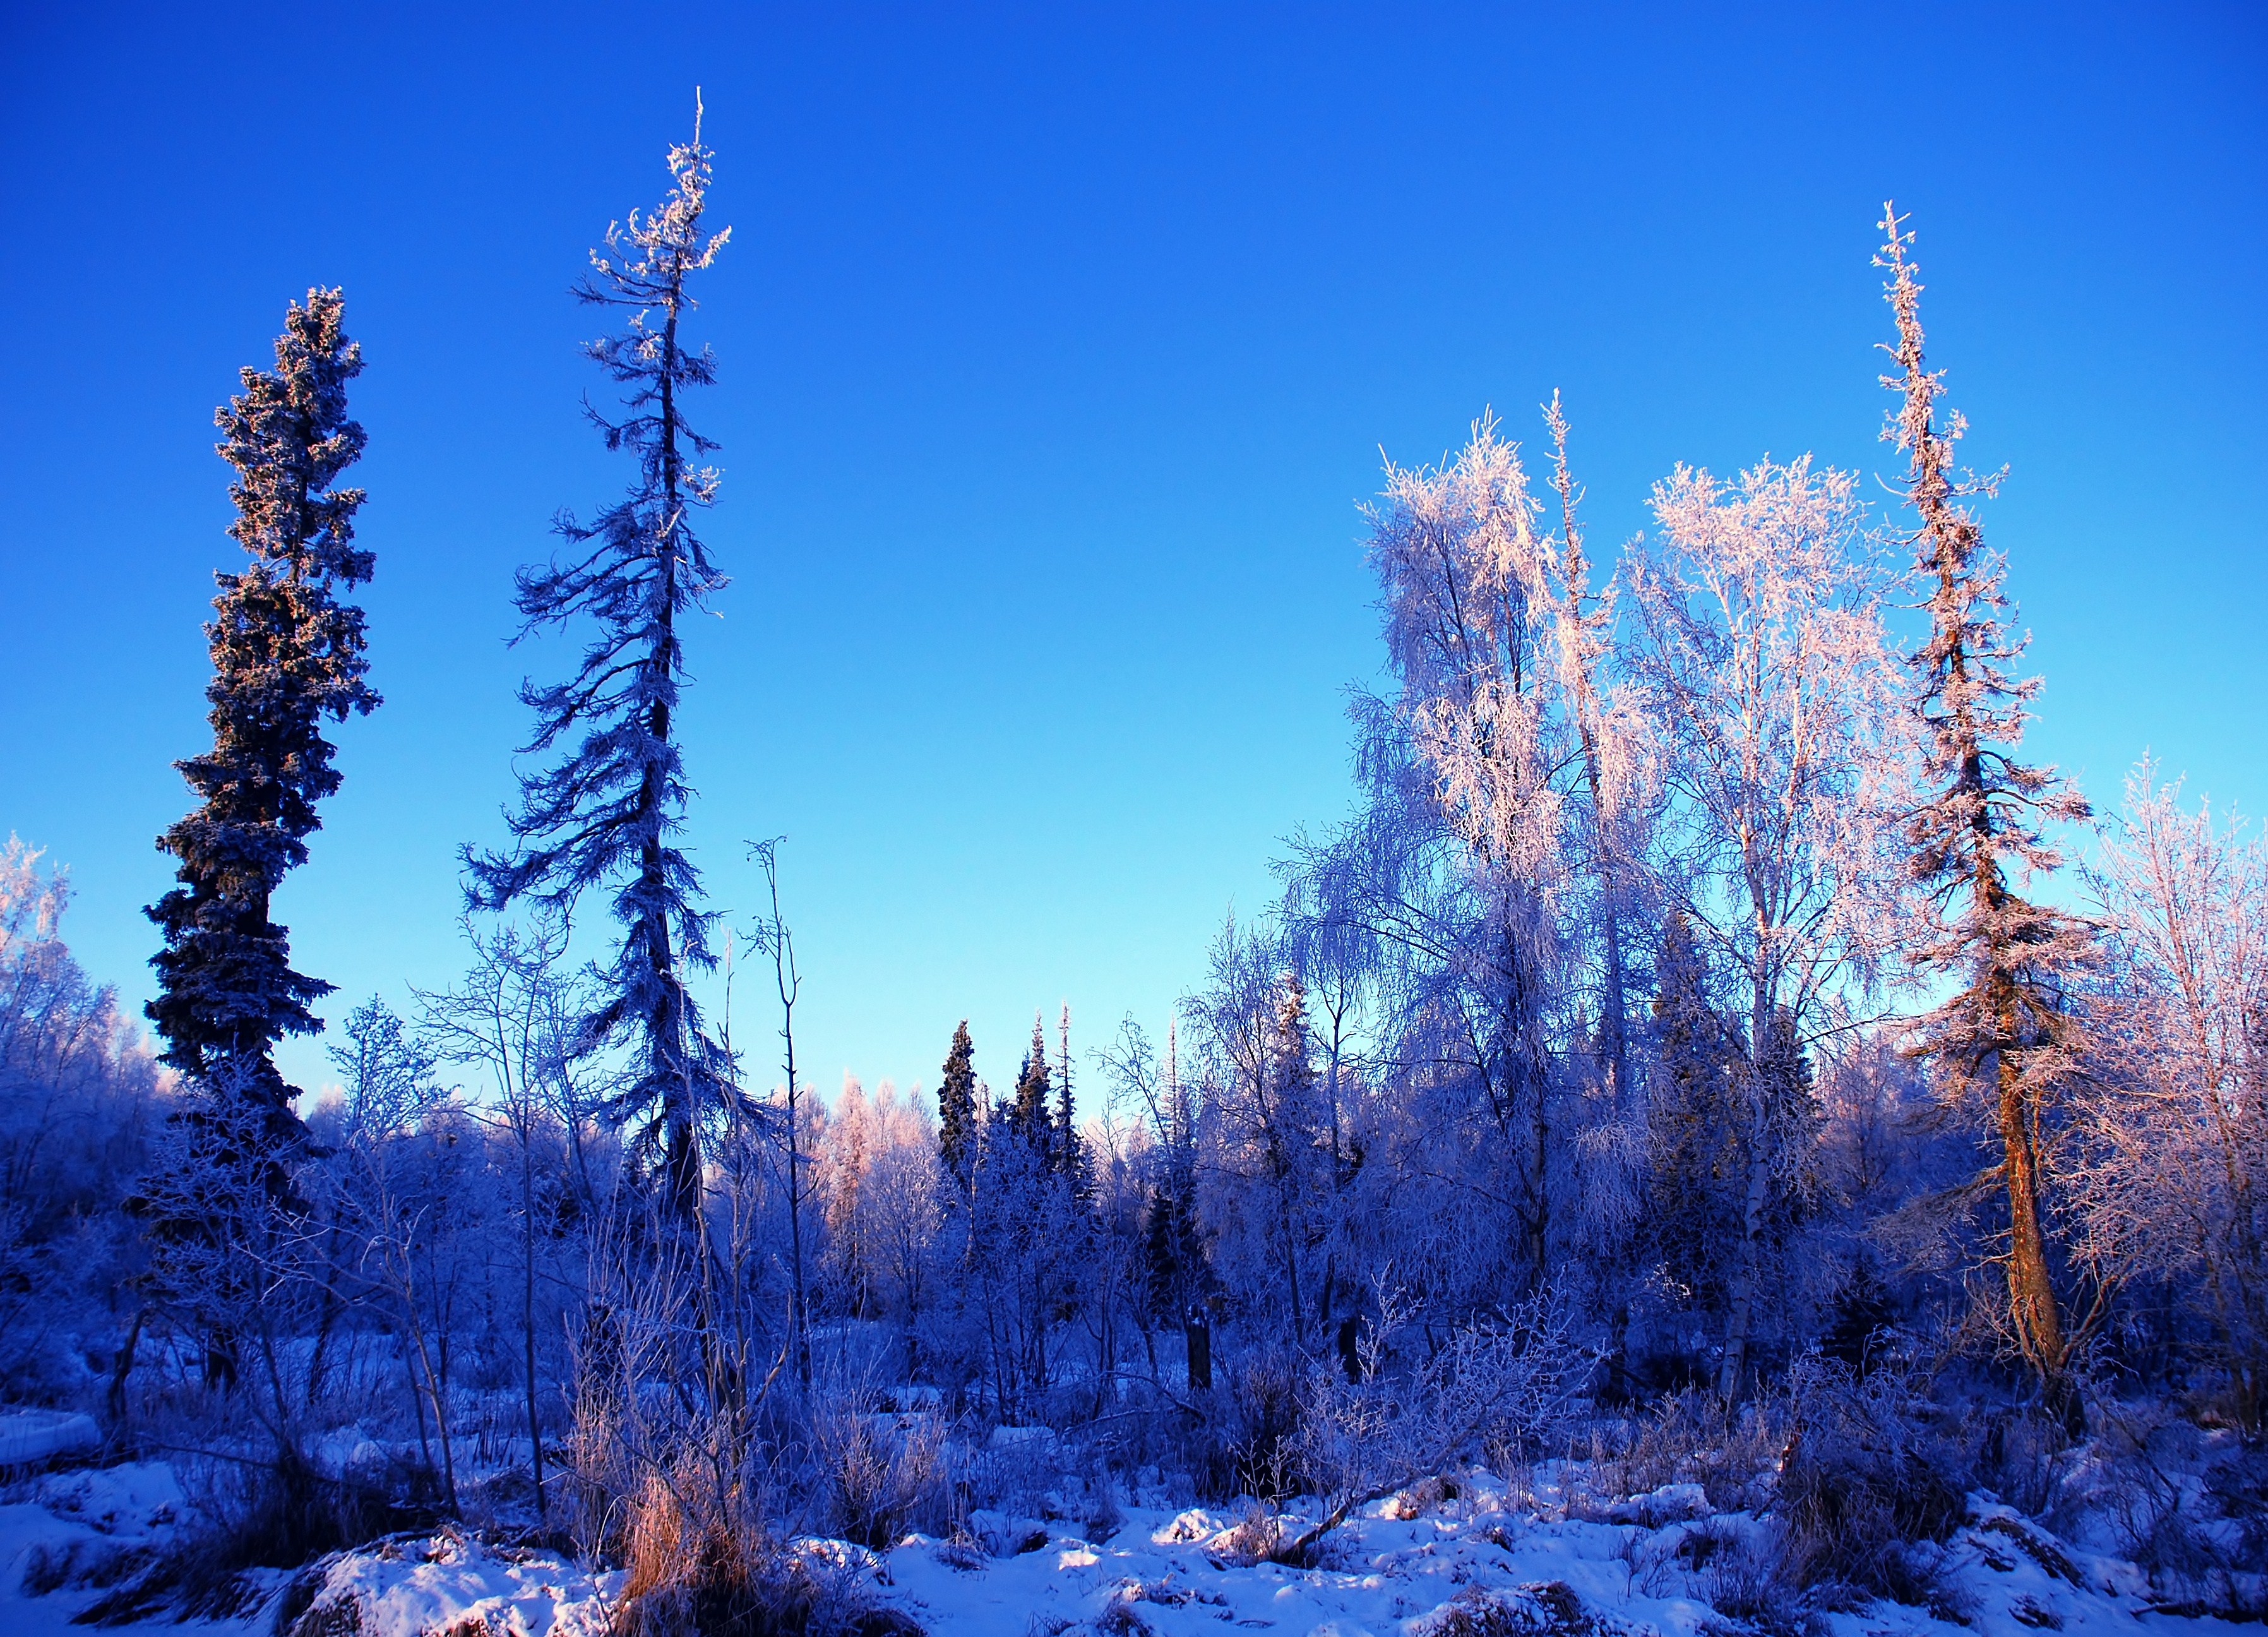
column 2201, row 1542
column 884, row 1474
column 1866, row 1478
column 1743, row 1582
column 1247, row 1446
column 1542, row 1609
column 2018, row 1457
column 1695, row 1436
column 702, row 1564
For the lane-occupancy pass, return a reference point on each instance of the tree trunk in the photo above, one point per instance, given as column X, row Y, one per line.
column 527, row 1314
column 1749, row 1270
column 121, row 1367
column 2031, row 1292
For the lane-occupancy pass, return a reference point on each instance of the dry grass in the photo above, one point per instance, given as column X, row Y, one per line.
column 702, row 1564
column 251, row 1515
column 1421, row 1497
column 1256, row 1536
column 1543, row 1609
column 884, row 1475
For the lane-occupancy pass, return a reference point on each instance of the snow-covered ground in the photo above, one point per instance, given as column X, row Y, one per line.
column 1499, row 1563
column 1486, row 1561
column 79, row 1527
column 75, row 1533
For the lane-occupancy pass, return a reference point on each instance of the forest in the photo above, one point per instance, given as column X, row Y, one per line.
column 1719, row 1140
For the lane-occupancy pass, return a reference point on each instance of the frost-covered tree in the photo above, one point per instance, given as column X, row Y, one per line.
column 876, row 1174
column 287, row 653
column 1069, row 1148
column 1171, row 1275
column 1457, row 864
column 1263, row 1136
column 1979, row 835
column 80, row 1103
column 1469, row 917
column 65, row 1051
column 1021, row 1262
column 228, row 1254
column 1582, row 627
column 839, row 1179
column 2171, row 1179
column 513, row 1019
column 1761, row 650
column 609, row 811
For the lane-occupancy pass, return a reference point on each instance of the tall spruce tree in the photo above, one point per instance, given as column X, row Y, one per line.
column 1070, row 1153
column 607, row 812
column 1979, row 835
column 287, row 653
column 1029, row 1114
column 956, row 1109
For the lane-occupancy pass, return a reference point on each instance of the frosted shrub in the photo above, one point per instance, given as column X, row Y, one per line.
column 2201, row 1542
column 883, row 1474
column 702, row 1561
column 1867, row 1477
column 1545, row 1609
column 245, row 1515
column 1259, row 1456
column 1695, row 1436
column 1484, row 1393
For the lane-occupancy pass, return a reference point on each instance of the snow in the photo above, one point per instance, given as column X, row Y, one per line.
column 31, row 1435
column 1175, row 1575
column 78, row 1521
column 410, row 1586
column 1488, row 1561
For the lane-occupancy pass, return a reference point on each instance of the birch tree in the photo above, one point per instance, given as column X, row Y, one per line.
column 513, row 1017
column 1458, row 865
column 1760, row 647
column 2172, row 1176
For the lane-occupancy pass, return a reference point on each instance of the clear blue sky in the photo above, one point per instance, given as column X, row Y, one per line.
column 1057, row 347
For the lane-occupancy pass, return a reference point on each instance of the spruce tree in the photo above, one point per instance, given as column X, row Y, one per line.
column 1162, row 1262
column 1694, row 1120
column 287, row 653
column 1780, row 1133
column 609, row 811
column 1979, row 835
column 1029, row 1114
column 1070, row 1154
column 956, row 1109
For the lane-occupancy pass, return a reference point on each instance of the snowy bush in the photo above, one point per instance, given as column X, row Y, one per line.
column 1251, row 1448
column 1546, row 1609
column 1692, row 1437
column 704, row 1557
column 884, row 1474
column 2193, row 1517
column 1870, row 1476
column 1484, row 1393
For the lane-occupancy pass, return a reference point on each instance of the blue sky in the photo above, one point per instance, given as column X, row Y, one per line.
column 1057, row 347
